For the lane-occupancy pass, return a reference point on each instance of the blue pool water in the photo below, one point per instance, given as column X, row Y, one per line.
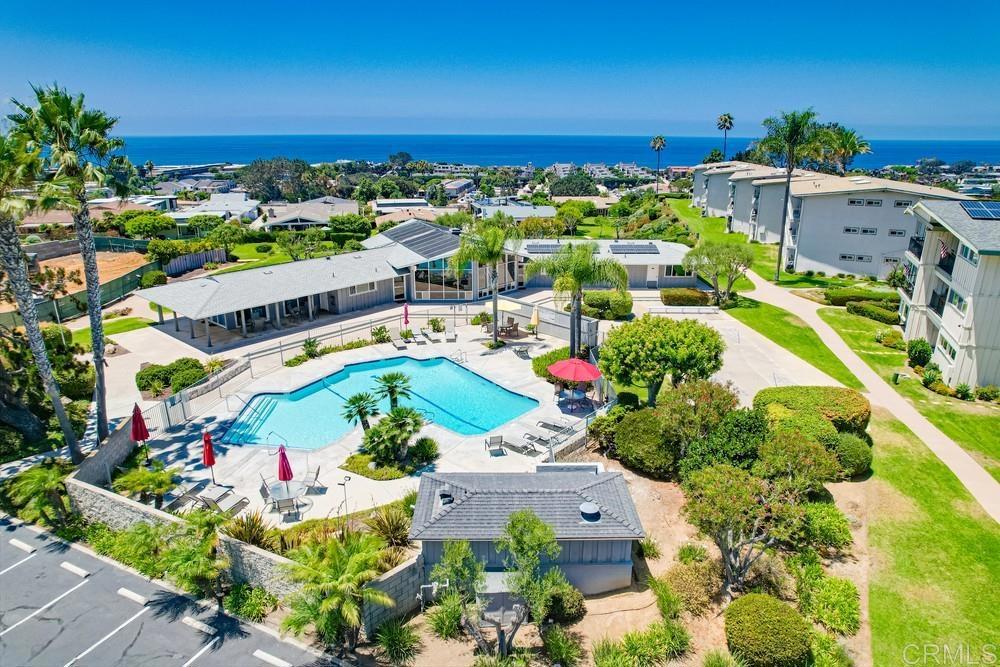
column 309, row 418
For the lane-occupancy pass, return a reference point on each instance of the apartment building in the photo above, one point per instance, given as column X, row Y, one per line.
column 562, row 169
column 700, row 177
column 952, row 294
column 756, row 200
column 598, row 170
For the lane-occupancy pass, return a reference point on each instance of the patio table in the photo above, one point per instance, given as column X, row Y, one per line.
column 574, row 396
column 287, row 490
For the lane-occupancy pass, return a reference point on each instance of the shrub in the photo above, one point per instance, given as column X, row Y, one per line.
column 152, row 278
column 684, row 296
column 423, row 451
column 918, row 352
column 847, row 409
column 602, row 428
column 841, row 296
column 649, row 548
column 628, row 400
column 358, row 463
column 720, row 658
column 253, row 604
column 397, row 643
column 263, row 248
column 608, row 653
column 827, row 651
column 445, row 618
column 566, row 604
column 808, row 572
column 854, row 454
column 380, row 334
column 32, row 239
column 964, row 392
column 668, row 602
column 561, row 647
column 826, row 526
column 483, row 318
column 931, row 376
column 836, row 605
column 692, row 553
column 890, row 338
column 735, row 441
column 807, row 425
column 766, row 632
column 873, row 310
column 990, row 392
column 768, row 574
column 541, row 363
column 163, row 374
column 390, row 523
column 252, row 528
column 11, row 444
column 640, row 444
column 436, row 324
column 695, row 584
column 186, row 377
column 210, row 266
column 77, row 384
column 350, row 223
column 608, row 304
column 656, row 645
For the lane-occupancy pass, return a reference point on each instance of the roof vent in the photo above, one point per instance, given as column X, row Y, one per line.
column 590, row 512
column 444, row 495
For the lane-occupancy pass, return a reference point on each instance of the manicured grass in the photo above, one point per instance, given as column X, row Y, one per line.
column 596, row 227
column 765, row 258
column 935, row 554
column 709, row 229
column 248, row 251
column 972, row 425
column 794, row 335
column 111, row 327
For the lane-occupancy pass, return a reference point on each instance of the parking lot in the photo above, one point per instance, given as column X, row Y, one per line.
column 60, row 606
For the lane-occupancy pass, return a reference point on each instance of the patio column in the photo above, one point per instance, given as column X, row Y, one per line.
column 177, row 322
column 208, row 331
column 159, row 312
column 277, row 315
column 310, row 307
column 243, row 322
column 191, row 320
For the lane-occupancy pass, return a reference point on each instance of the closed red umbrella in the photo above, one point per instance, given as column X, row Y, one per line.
column 207, row 453
column 284, row 467
column 575, row 370
column 406, row 314
column 139, row 431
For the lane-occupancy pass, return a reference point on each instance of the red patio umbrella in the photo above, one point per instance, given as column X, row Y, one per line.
column 207, row 453
column 139, row 431
column 575, row 370
column 284, row 467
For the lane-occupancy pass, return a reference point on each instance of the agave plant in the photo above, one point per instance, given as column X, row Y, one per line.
column 390, row 523
column 252, row 529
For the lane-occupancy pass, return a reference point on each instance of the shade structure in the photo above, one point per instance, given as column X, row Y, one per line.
column 508, row 306
column 139, row 431
column 284, row 467
column 575, row 370
column 208, row 453
column 406, row 314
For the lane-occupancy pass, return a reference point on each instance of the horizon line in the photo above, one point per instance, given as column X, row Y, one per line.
column 498, row 134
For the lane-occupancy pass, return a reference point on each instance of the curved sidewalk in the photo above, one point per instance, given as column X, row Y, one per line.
column 980, row 484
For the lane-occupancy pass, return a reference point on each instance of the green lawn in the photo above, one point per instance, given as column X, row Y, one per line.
column 250, row 258
column 111, row 327
column 596, row 227
column 794, row 335
column 765, row 258
column 973, row 426
column 935, row 554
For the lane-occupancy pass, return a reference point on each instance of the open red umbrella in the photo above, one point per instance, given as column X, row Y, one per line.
column 575, row 370
column 139, row 431
column 207, row 453
column 284, row 467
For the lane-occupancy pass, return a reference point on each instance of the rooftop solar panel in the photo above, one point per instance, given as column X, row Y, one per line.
column 982, row 210
column 634, row 249
column 543, row 248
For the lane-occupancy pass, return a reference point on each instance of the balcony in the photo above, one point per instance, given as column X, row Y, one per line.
column 916, row 245
column 947, row 263
column 907, row 289
column 937, row 302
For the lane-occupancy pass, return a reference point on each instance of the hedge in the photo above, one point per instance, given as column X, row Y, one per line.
column 77, row 385
column 186, row 377
column 873, row 310
column 847, row 409
column 854, row 454
column 684, row 296
column 152, row 278
column 808, row 425
column 608, row 304
column 156, row 373
column 541, row 363
column 763, row 631
column 640, row 444
column 841, row 296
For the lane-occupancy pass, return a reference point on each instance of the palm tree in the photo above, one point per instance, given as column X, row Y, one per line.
column 486, row 244
column 193, row 556
column 843, row 145
column 147, row 169
column 41, row 487
column 394, row 386
column 725, row 123
column 333, row 574
column 658, row 143
column 145, row 482
column 359, row 407
column 79, row 146
column 19, row 168
column 573, row 268
column 794, row 135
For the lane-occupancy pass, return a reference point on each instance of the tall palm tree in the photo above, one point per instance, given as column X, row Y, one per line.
column 19, row 167
column 658, row 143
column 486, row 244
column 359, row 407
column 573, row 268
column 394, row 386
column 333, row 574
column 79, row 146
column 843, row 145
column 725, row 123
column 794, row 135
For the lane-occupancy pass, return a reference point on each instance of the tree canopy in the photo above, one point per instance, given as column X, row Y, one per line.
column 578, row 183
column 722, row 264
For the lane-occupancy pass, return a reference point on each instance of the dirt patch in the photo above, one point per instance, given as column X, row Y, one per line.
column 889, row 501
column 852, row 498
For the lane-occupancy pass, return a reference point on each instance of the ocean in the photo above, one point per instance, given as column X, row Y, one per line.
column 487, row 150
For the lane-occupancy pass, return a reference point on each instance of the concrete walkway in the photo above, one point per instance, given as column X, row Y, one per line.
column 980, row 484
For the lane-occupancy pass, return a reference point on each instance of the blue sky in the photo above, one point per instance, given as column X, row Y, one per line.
column 889, row 69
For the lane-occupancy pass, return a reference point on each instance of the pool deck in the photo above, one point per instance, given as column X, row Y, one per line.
column 241, row 466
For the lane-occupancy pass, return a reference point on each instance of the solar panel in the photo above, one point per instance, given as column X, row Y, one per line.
column 543, row 248
column 634, row 249
column 982, row 210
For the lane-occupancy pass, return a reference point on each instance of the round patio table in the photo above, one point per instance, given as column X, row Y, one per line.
column 286, row 490
column 574, row 397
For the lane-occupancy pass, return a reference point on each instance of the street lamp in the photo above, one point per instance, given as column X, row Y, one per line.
column 347, row 478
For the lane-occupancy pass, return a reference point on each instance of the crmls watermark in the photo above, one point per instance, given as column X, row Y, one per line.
column 950, row 654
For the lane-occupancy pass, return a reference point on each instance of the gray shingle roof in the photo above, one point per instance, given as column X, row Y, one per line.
column 982, row 235
column 484, row 502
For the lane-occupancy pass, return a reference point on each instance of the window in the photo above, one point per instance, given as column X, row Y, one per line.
column 855, row 202
column 892, row 260
column 355, row 290
column 968, row 254
column 873, row 202
column 956, row 299
column 897, row 232
column 674, row 271
column 869, row 231
column 946, row 347
column 863, row 258
column 851, row 230
column 434, row 281
column 847, row 258
column 902, row 203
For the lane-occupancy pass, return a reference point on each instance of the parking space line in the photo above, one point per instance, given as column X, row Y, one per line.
column 199, row 626
column 78, row 571
column 108, row 636
column 201, row 652
column 131, row 595
column 41, row 609
column 14, row 542
column 11, row 567
column 270, row 659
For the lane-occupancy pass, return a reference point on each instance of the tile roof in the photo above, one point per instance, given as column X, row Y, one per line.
column 982, row 235
column 483, row 503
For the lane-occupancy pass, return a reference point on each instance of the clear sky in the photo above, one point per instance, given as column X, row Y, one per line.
column 889, row 69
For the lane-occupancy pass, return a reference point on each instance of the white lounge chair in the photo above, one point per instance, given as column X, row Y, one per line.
column 495, row 445
column 396, row 339
column 450, row 336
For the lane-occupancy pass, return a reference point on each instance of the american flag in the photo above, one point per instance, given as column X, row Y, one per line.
column 943, row 249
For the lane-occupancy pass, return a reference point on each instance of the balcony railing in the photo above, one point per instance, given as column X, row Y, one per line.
column 916, row 245
column 937, row 302
column 908, row 289
column 947, row 263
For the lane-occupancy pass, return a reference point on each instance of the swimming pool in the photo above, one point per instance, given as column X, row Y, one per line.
column 309, row 418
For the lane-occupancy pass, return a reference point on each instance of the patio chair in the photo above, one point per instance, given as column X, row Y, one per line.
column 551, row 426
column 265, row 495
column 521, row 351
column 312, row 480
column 288, row 508
column 432, row 335
column 230, row 507
column 450, row 336
column 267, row 481
column 216, row 493
column 495, row 445
column 396, row 339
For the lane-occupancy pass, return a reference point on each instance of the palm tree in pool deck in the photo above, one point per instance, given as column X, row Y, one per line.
column 79, row 147
column 795, row 135
column 725, row 123
column 394, row 386
column 843, row 145
column 486, row 245
column 658, row 143
column 19, row 167
column 573, row 268
column 360, row 407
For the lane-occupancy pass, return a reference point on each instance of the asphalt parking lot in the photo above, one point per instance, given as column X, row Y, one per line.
column 60, row 606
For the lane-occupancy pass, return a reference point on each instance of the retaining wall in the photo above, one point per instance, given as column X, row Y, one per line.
column 99, row 466
column 402, row 584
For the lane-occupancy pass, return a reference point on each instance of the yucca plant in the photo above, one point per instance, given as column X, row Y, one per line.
column 253, row 529
column 398, row 644
column 390, row 523
column 391, row 557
